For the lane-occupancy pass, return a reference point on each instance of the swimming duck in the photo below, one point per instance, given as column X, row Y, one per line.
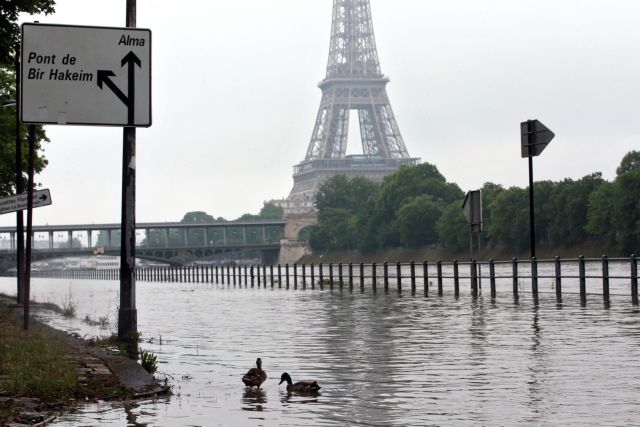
column 300, row 386
column 255, row 376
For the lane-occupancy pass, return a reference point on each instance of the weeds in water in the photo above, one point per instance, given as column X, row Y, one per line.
column 69, row 306
column 149, row 361
column 102, row 322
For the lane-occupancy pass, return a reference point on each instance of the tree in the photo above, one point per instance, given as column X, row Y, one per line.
column 271, row 211
column 416, row 222
column 453, row 228
column 9, row 39
column 400, row 188
column 342, row 204
column 196, row 217
column 510, row 219
column 630, row 162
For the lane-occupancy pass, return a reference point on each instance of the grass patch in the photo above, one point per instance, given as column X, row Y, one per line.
column 32, row 362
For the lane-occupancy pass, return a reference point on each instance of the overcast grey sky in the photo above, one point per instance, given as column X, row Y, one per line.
column 235, row 97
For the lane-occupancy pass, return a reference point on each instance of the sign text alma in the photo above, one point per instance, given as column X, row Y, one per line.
column 130, row 41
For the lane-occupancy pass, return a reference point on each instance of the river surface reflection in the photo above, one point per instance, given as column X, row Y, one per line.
column 382, row 360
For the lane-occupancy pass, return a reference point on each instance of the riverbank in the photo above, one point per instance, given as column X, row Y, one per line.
column 589, row 249
column 44, row 371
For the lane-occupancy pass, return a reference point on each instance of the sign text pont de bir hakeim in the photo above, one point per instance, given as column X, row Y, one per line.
column 78, row 75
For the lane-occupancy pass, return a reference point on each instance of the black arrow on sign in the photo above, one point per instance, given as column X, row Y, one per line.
column 104, row 77
column 132, row 60
column 43, row 198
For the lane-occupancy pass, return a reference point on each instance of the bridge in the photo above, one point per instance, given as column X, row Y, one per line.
column 172, row 242
column 280, row 241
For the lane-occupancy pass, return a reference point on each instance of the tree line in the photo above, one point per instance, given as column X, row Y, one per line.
column 416, row 207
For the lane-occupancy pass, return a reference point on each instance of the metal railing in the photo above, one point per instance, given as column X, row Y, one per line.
column 579, row 276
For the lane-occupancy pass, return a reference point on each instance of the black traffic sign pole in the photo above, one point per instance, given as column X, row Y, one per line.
column 534, row 137
column 128, row 316
column 27, row 263
column 532, row 222
column 19, row 190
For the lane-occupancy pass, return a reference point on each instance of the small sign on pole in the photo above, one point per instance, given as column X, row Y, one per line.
column 472, row 209
column 19, row 201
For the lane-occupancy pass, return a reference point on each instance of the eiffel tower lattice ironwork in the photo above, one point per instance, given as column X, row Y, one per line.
column 354, row 81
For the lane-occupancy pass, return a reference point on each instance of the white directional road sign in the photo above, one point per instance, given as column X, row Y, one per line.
column 19, row 202
column 73, row 75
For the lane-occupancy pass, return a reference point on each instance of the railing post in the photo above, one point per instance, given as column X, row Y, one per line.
column 286, row 274
column 439, row 267
column 474, row 278
column 515, row 278
column 304, row 277
column 271, row 274
column 399, row 276
column 313, row 277
column 331, row 276
column 321, row 276
column 374, row 278
column 252, row 275
column 386, row 277
column 413, row 278
column 350, row 277
column 456, row 279
column 425, row 278
column 361, row 278
column 492, row 278
column 233, row 272
column 558, row 264
column 534, row 276
column 340, row 280
column 264, row 276
column 605, row 279
column 634, row 280
column 583, row 280
column 279, row 276
column 295, row 276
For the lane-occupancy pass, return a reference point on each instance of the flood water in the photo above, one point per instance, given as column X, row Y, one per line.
column 382, row 360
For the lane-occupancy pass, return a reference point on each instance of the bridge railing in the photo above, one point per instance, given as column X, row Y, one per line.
column 581, row 276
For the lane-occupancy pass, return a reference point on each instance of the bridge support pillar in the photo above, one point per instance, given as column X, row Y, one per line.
column 12, row 237
column 51, row 240
column 70, row 235
column 89, row 240
column 292, row 250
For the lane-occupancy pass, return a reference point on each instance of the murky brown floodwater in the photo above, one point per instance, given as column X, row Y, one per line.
column 383, row 360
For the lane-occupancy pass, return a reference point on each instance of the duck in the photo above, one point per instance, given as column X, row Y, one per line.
column 300, row 386
column 255, row 376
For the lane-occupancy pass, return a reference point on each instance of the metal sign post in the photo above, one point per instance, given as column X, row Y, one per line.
column 101, row 76
column 128, row 315
column 534, row 138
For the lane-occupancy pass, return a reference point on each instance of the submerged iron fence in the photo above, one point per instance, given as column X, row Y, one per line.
column 581, row 276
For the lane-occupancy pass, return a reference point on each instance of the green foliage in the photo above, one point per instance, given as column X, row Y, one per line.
column 271, row 211
column 416, row 222
column 9, row 29
column 197, row 217
column 510, row 218
column 342, row 205
column 9, row 38
column 453, row 228
column 629, row 163
column 149, row 361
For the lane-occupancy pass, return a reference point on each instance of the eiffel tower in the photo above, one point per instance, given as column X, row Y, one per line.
column 354, row 81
